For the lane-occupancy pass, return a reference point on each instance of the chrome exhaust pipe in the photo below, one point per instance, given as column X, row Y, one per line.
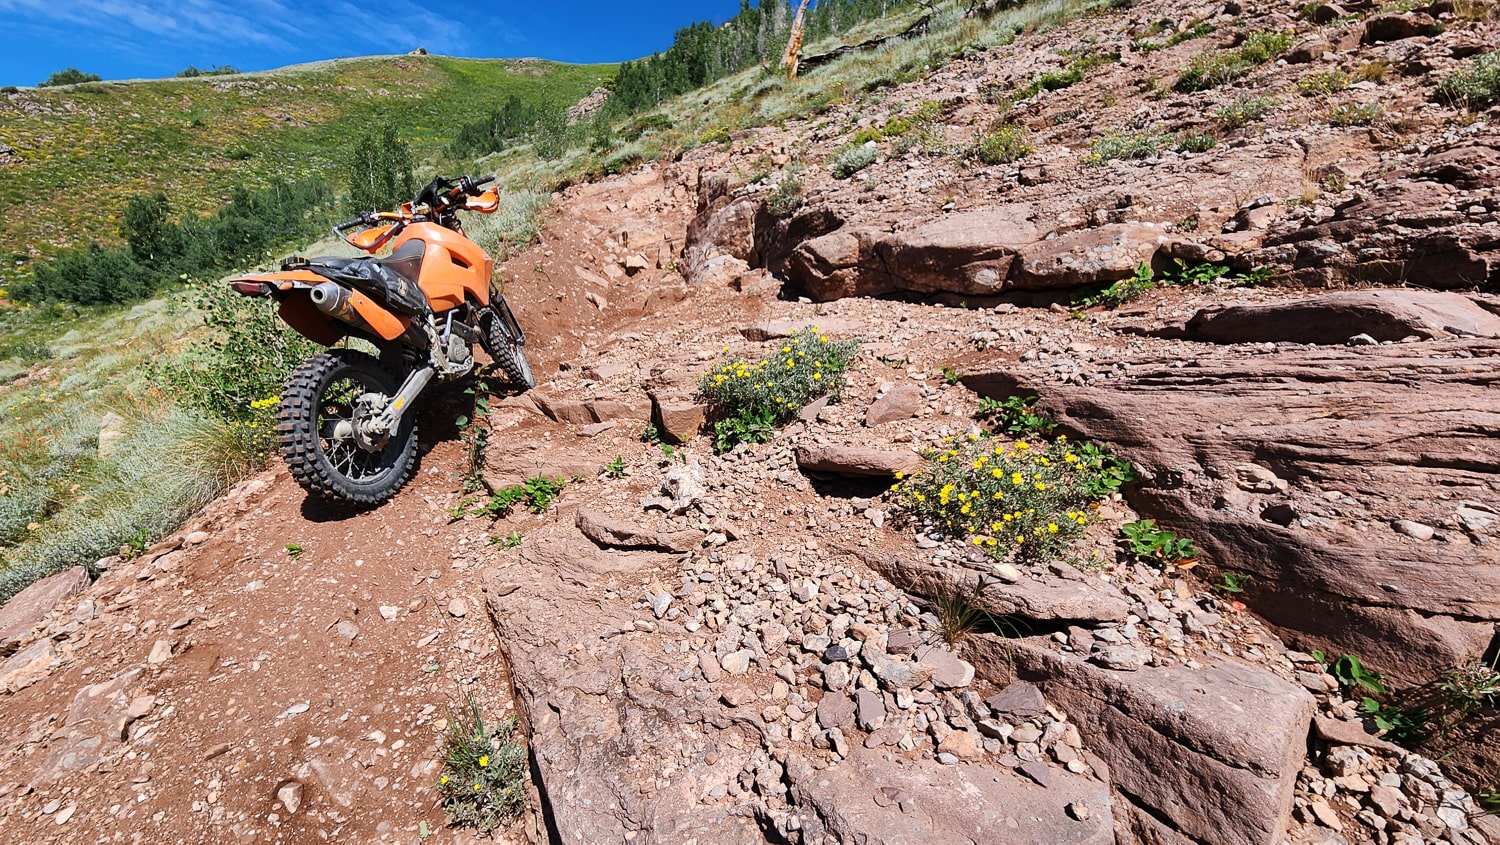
column 332, row 299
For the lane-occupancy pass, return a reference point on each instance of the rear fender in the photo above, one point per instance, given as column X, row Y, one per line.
column 291, row 287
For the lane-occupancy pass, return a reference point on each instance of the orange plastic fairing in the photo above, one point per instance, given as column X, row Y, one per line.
column 485, row 203
column 373, row 238
column 385, row 324
column 454, row 268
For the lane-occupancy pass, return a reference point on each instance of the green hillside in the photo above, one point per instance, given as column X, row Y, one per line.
column 78, row 153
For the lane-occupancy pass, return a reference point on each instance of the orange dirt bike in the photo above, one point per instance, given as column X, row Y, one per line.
column 345, row 426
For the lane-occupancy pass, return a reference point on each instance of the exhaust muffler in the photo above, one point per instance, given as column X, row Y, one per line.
column 333, row 299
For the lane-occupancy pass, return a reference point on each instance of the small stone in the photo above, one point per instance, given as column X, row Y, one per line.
column 161, row 652
column 1079, row 811
column 1006, row 572
column 1326, row 816
column 709, row 666
column 659, row 604
column 67, row 813
column 290, row 796
column 836, row 710
column 346, row 629
column 737, row 662
column 389, row 612
column 1038, row 771
column 1414, row 530
column 196, row 538
column 869, row 710
column 949, row 672
column 1019, row 700
column 836, row 654
column 1387, row 800
column 458, row 608
column 1123, row 658
column 962, row 744
column 835, row 676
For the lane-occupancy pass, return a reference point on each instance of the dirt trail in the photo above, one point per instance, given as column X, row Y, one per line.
column 296, row 657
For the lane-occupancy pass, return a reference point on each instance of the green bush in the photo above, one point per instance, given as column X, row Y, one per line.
column 69, row 76
column 1355, row 114
column 537, row 494
column 786, row 198
column 235, row 372
column 1196, row 142
column 1023, row 497
column 1243, row 110
column 1119, row 143
column 750, row 399
column 1323, row 82
column 1003, row 145
column 1210, row 70
column 485, row 771
column 1476, row 83
column 852, row 160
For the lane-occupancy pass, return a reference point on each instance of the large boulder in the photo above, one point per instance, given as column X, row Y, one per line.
column 1312, row 470
column 1337, row 317
column 969, row 253
column 1210, row 754
column 857, row 460
column 1087, row 256
column 872, row 798
column 1065, row 595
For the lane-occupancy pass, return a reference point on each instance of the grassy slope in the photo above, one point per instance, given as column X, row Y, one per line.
column 85, row 149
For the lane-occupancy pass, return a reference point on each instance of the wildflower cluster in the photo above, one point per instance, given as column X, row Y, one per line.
column 484, row 779
column 751, row 399
column 1004, row 496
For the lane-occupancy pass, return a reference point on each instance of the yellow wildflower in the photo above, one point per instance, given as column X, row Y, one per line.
column 484, row 761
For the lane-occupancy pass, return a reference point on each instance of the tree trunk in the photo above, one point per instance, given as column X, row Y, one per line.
column 794, row 44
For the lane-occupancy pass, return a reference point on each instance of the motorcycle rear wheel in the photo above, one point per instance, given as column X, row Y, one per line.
column 505, row 347
column 319, row 395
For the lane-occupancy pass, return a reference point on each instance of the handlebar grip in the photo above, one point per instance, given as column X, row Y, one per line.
column 484, row 180
column 349, row 224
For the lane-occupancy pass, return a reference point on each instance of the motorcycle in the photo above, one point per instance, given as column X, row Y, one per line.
column 345, row 425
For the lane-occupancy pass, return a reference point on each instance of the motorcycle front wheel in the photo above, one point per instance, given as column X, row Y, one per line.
column 505, row 346
column 314, row 431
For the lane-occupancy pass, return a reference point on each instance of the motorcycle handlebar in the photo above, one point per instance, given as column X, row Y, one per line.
column 349, row 224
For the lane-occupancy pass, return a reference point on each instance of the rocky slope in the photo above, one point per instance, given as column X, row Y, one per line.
column 749, row 647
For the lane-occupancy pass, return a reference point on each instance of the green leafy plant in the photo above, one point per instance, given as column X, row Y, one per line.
column 509, row 541
column 651, row 433
column 1474, row 85
column 950, row 375
column 616, row 467
column 1015, row 415
column 484, row 771
column 1470, row 686
column 751, row 398
column 293, row 550
column 1148, row 541
column 786, row 197
column 535, row 493
column 852, row 160
column 1004, row 144
column 1124, row 144
column 1122, row 291
column 753, row 426
column 1323, row 82
column 1004, row 497
column 1243, row 110
column 1100, row 472
column 1355, row 114
column 1210, row 70
column 1196, row 142
column 1401, row 725
column 1352, row 674
column 1230, row 582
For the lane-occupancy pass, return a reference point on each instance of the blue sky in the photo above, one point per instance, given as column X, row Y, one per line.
column 128, row 39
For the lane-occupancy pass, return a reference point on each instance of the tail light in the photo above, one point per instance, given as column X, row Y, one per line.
column 245, row 288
